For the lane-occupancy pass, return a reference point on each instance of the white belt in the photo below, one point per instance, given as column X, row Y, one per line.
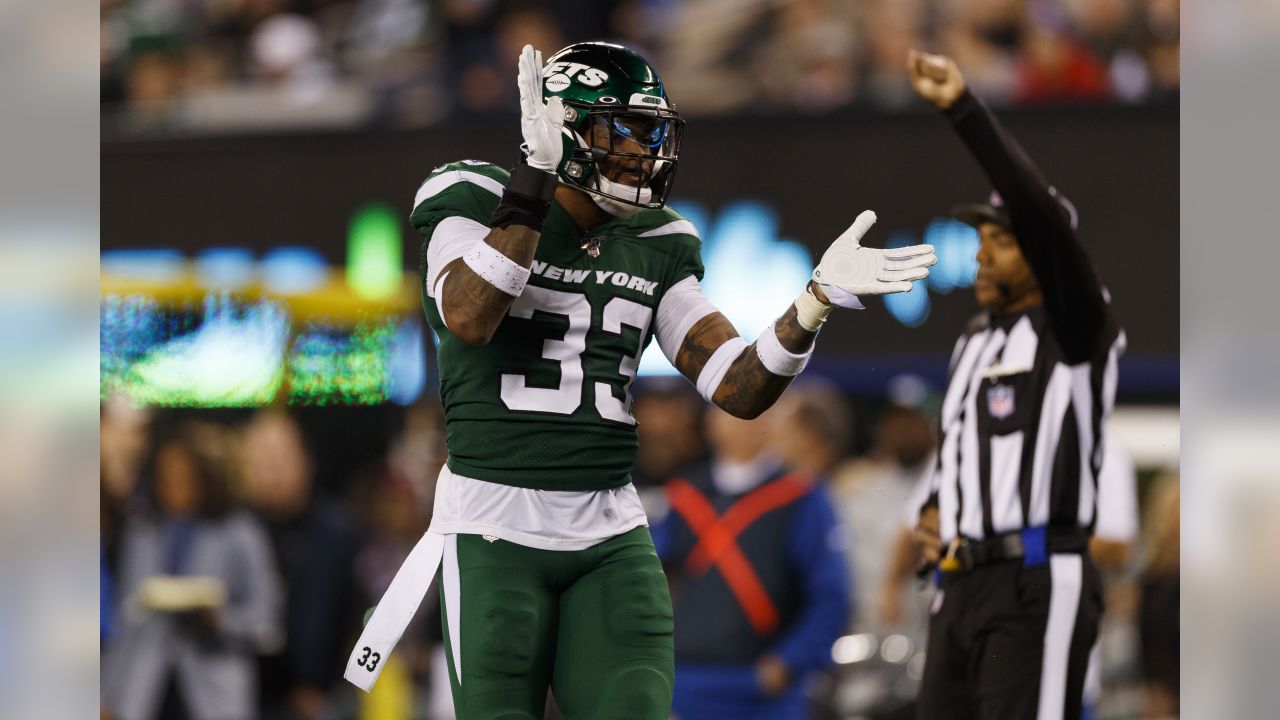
column 394, row 611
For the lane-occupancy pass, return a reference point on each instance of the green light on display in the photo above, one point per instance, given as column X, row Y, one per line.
column 375, row 267
column 327, row 368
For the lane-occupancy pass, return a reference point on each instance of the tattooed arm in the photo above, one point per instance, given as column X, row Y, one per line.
column 471, row 306
column 745, row 380
column 748, row 388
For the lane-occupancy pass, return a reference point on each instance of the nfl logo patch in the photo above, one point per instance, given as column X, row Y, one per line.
column 1000, row 401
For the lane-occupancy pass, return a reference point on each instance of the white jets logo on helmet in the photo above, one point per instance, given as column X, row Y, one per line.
column 558, row 75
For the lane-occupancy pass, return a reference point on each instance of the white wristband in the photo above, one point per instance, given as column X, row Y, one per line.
column 497, row 269
column 777, row 359
column 717, row 365
column 810, row 311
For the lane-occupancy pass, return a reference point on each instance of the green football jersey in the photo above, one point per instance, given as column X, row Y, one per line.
column 546, row 404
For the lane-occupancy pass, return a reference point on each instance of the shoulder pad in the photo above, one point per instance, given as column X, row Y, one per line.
column 479, row 174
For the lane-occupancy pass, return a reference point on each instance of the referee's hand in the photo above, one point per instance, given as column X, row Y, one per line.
column 928, row 539
column 936, row 78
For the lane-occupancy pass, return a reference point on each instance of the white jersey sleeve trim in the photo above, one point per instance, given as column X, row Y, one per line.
column 676, row 227
column 452, row 238
column 680, row 309
column 445, row 180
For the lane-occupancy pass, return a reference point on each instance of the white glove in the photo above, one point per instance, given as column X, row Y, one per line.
column 848, row 270
column 541, row 124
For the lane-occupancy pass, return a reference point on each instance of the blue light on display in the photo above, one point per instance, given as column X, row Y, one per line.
column 407, row 371
column 128, row 327
column 910, row 308
column 225, row 268
column 151, row 265
column 751, row 273
column 289, row 270
column 957, row 248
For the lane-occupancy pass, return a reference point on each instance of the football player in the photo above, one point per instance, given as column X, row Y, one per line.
column 545, row 284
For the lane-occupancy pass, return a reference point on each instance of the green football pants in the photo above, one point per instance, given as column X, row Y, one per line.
column 594, row 625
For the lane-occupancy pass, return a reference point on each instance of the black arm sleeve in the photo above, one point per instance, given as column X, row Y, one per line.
column 1073, row 299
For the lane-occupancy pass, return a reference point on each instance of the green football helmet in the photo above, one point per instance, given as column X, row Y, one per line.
column 622, row 134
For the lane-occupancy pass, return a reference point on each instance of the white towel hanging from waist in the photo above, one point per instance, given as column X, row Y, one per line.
column 394, row 611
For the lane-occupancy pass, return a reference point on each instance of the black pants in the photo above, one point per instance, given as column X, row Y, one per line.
column 1009, row 642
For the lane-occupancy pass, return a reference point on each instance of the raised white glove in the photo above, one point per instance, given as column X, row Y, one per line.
column 541, row 124
column 848, row 270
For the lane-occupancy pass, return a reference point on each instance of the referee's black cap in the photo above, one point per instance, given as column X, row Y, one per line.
column 994, row 210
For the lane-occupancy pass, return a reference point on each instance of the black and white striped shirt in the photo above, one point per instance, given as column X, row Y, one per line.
column 1020, row 430
column 1021, row 440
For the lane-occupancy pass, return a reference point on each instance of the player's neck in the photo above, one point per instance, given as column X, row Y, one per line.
column 585, row 213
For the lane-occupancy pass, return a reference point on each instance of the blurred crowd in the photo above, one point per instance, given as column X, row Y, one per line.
column 214, row 65
column 237, row 568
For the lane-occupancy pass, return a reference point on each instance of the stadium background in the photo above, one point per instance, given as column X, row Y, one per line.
column 259, row 158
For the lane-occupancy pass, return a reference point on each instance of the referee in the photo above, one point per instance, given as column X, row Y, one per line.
column 1011, row 499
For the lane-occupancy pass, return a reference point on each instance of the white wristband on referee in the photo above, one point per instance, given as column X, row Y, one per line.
column 497, row 269
column 777, row 359
column 810, row 311
column 717, row 365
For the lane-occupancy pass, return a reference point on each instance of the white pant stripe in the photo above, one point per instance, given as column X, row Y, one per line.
column 1066, row 577
column 452, row 595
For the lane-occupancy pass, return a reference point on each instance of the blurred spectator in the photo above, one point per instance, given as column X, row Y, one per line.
column 1115, row 532
column 284, row 53
column 668, row 416
column 1110, row 29
column 524, row 24
column 1160, row 600
column 809, row 63
column 315, row 543
column 984, row 36
column 898, row 27
column 757, row 574
column 152, row 86
column 124, row 434
column 197, row 595
column 870, row 492
column 812, row 429
column 1160, row 27
column 708, row 52
column 1054, row 66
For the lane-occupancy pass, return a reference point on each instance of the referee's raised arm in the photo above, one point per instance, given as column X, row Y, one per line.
column 1042, row 221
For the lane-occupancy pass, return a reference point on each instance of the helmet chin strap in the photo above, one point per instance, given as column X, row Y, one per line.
column 615, row 207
